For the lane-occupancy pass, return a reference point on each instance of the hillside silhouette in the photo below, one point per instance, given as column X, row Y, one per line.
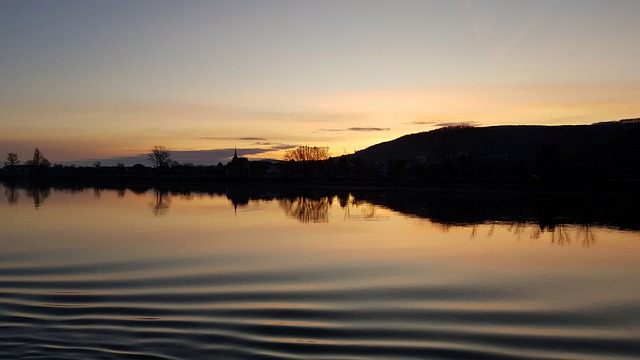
column 600, row 151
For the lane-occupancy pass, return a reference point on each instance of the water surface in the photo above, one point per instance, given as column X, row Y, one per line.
column 275, row 274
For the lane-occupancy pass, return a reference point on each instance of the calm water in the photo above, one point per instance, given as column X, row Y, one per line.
column 273, row 274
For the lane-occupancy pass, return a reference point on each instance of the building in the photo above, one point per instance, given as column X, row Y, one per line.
column 238, row 166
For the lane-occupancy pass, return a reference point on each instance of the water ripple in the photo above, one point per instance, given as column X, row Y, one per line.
column 107, row 312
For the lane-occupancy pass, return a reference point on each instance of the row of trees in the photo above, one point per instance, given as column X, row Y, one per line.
column 37, row 160
column 160, row 156
column 305, row 161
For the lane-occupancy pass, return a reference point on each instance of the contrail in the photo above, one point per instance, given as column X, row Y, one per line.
column 524, row 30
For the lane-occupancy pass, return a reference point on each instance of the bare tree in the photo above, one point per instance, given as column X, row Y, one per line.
column 307, row 153
column 12, row 159
column 159, row 156
column 38, row 159
column 307, row 160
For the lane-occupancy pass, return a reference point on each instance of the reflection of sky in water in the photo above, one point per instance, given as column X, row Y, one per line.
column 315, row 270
column 128, row 218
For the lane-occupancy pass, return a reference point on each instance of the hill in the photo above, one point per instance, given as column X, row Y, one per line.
column 602, row 150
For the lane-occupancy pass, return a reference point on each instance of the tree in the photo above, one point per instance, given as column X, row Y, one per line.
column 307, row 153
column 12, row 159
column 38, row 159
column 307, row 160
column 159, row 156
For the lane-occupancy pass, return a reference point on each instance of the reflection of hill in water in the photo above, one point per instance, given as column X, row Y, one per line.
column 446, row 207
column 546, row 210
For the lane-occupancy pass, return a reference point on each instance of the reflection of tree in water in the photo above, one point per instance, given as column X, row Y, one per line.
column 306, row 209
column 559, row 234
column 161, row 202
column 581, row 233
column 585, row 233
column 11, row 193
column 474, row 231
column 364, row 210
column 39, row 194
column 187, row 196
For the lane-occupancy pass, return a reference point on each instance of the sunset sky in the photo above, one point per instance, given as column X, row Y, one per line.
column 107, row 80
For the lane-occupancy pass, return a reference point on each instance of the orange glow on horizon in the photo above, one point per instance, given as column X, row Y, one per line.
column 346, row 122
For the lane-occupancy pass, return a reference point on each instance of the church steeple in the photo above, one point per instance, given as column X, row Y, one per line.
column 238, row 166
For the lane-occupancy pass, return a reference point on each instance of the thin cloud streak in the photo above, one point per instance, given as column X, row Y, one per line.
column 363, row 129
column 275, row 147
column 524, row 30
column 457, row 123
column 244, row 138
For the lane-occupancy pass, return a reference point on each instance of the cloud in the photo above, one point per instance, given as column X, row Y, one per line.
column 364, row 129
column 457, row 123
column 244, row 138
column 422, row 122
column 214, row 156
column 368, row 129
column 197, row 157
column 274, row 147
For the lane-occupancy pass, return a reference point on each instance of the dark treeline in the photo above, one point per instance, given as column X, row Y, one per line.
column 604, row 156
column 448, row 207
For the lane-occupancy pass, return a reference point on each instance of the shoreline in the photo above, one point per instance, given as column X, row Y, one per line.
column 548, row 186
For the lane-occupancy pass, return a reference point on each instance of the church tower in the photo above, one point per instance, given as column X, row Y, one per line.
column 238, row 166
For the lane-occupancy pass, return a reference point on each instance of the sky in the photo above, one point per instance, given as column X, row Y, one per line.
column 107, row 80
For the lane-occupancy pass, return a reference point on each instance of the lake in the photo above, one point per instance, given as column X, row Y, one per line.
column 282, row 273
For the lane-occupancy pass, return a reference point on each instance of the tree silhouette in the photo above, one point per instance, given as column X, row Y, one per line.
column 12, row 159
column 38, row 159
column 159, row 156
column 307, row 153
column 305, row 159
